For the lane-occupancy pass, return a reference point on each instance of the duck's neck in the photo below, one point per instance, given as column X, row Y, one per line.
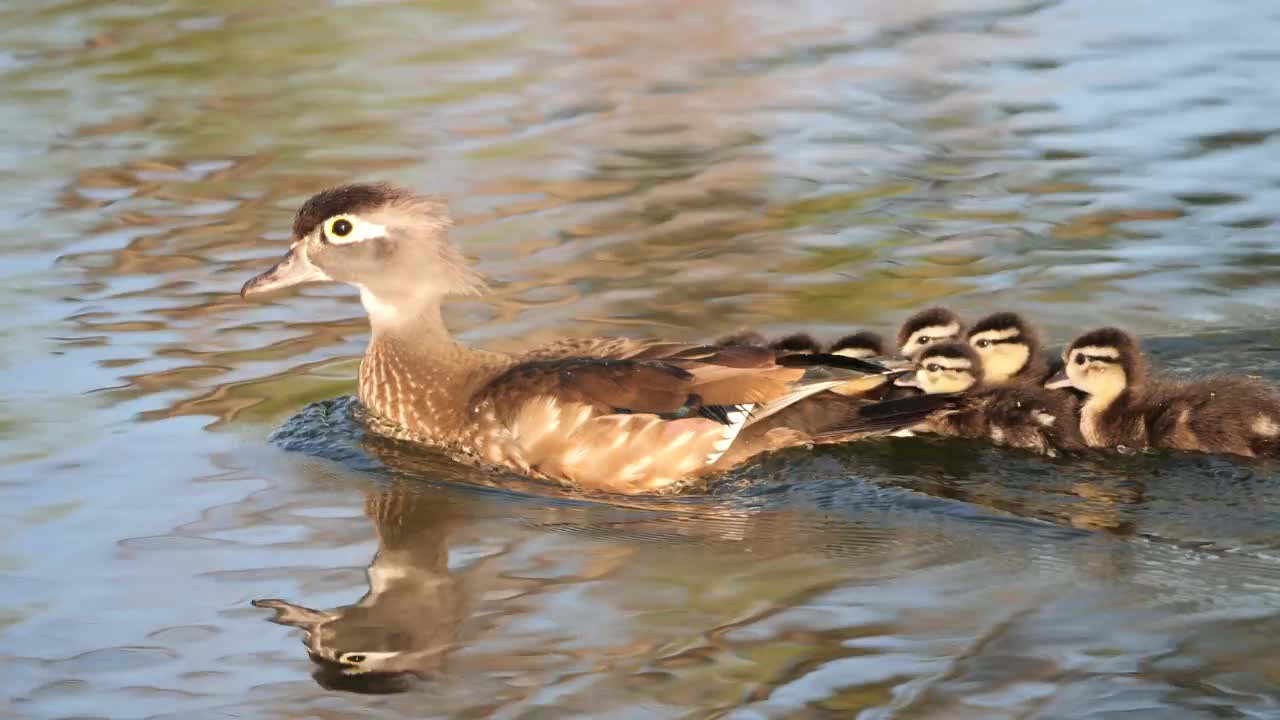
column 414, row 373
column 1091, row 425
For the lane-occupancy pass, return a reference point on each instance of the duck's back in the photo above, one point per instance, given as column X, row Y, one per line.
column 1026, row 416
column 1228, row 414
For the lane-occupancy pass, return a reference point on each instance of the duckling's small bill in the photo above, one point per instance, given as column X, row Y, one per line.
column 1058, row 380
column 907, row 379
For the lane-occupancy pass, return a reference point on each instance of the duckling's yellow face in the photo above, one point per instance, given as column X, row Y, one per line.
column 1003, row 351
column 1097, row 370
column 940, row 374
column 926, row 337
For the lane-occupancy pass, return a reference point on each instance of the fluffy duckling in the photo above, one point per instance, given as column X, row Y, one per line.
column 797, row 342
column 1020, row 415
column 1010, row 349
column 1127, row 406
column 862, row 345
column 744, row 338
column 928, row 327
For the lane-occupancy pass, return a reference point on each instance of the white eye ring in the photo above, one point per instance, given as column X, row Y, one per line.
column 348, row 229
column 357, row 662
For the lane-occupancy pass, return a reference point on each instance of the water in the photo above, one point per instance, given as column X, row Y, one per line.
column 626, row 168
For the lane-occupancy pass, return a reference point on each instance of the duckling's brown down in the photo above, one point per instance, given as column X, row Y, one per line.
column 1127, row 405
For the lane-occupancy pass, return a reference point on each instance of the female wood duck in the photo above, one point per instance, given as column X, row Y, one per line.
column 1014, row 414
column 611, row 414
column 928, row 327
column 1127, row 406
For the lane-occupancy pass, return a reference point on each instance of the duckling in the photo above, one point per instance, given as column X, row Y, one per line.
column 797, row 343
column 1010, row 349
column 1018, row 415
column 862, row 345
column 1127, row 406
column 928, row 327
column 744, row 338
column 865, row 345
column 794, row 343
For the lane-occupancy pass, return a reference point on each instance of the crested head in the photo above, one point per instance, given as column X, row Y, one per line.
column 928, row 327
column 386, row 240
column 860, row 345
column 1104, row 362
column 354, row 199
column 798, row 342
column 948, row 368
column 1007, row 343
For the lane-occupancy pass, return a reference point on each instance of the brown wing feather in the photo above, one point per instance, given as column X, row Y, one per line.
column 593, row 416
column 628, row 349
column 602, row 384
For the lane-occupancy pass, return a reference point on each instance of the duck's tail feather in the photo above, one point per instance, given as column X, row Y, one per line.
column 890, row 416
column 828, row 360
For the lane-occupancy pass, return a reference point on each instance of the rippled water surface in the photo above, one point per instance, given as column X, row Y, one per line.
column 170, row 453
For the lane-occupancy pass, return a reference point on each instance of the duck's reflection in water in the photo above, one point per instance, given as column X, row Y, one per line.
column 403, row 628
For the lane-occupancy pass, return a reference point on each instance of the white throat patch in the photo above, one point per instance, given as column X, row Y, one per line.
column 378, row 310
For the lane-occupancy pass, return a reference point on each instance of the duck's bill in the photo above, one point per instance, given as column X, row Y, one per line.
column 906, row 380
column 294, row 269
column 1058, row 381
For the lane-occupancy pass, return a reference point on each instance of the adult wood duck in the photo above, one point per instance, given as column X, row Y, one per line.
column 613, row 414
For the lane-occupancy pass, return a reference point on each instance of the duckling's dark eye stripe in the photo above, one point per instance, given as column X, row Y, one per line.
column 1101, row 358
column 1003, row 341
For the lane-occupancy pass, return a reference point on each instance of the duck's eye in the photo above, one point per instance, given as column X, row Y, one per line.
column 341, row 228
column 933, row 367
column 983, row 343
column 356, row 658
column 924, row 340
column 1079, row 359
